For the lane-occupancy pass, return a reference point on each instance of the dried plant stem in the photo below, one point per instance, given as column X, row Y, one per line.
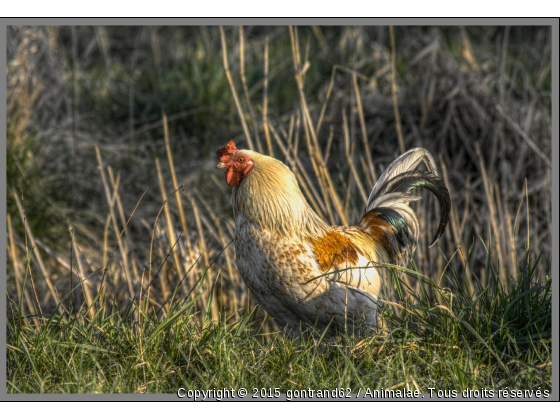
column 106, row 241
column 511, row 240
column 394, row 89
column 492, row 208
column 316, row 164
column 303, row 102
column 350, row 159
column 327, row 96
column 370, row 175
column 36, row 252
column 246, row 89
column 177, row 189
column 314, row 150
column 265, row 101
column 221, row 237
column 122, row 247
column 18, row 272
column 84, row 285
column 302, row 176
column 456, row 229
column 528, row 214
column 233, row 301
column 170, row 233
column 117, row 200
column 115, row 183
column 233, row 91
column 204, row 252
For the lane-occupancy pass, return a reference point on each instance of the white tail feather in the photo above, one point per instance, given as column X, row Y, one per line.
column 404, row 163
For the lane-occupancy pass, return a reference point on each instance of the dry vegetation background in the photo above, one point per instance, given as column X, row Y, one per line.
column 112, row 133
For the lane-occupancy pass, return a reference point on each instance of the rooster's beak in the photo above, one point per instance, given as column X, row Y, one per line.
column 221, row 165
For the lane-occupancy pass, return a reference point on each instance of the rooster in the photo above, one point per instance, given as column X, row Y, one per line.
column 305, row 272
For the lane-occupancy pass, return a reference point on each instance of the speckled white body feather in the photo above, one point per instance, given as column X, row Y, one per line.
column 285, row 278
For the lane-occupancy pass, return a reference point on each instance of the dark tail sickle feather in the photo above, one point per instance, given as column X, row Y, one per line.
column 393, row 198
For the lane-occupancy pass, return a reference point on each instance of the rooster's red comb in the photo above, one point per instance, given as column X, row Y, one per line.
column 225, row 153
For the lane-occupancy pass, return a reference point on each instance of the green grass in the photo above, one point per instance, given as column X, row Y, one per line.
column 439, row 339
column 86, row 141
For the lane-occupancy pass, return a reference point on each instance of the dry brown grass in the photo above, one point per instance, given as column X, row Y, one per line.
column 490, row 134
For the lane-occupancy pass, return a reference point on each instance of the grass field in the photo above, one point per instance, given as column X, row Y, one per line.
column 121, row 277
column 499, row 341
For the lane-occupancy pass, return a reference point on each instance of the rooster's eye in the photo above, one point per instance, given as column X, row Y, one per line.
column 241, row 160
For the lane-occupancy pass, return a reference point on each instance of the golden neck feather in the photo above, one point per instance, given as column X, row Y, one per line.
column 270, row 197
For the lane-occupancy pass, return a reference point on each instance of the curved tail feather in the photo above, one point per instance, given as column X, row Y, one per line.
column 389, row 200
column 404, row 163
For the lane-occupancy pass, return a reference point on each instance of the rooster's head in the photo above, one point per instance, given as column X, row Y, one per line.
column 237, row 163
